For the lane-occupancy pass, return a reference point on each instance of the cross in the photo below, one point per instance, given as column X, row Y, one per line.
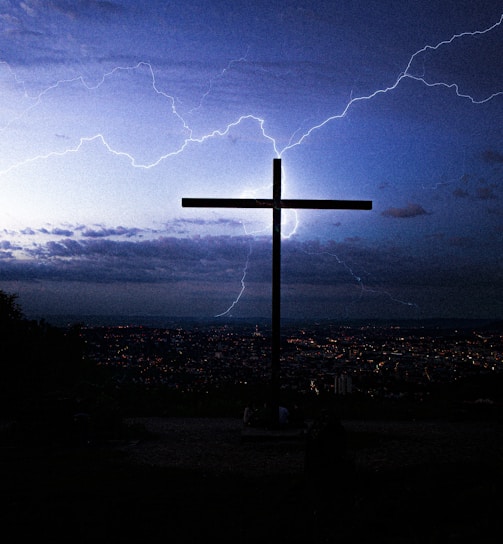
column 277, row 204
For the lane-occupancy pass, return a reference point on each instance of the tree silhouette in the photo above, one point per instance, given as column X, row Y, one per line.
column 38, row 359
column 10, row 311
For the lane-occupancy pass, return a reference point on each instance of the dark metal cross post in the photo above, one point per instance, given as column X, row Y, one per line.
column 276, row 203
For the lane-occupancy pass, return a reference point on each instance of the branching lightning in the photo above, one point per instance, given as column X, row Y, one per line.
column 406, row 74
column 359, row 281
column 296, row 139
column 219, row 76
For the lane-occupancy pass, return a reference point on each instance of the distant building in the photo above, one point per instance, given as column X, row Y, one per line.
column 343, row 384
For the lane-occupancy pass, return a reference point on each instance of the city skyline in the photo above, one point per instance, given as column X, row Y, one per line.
column 113, row 112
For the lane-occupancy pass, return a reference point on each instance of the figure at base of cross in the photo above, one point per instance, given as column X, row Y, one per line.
column 254, row 416
column 277, row 204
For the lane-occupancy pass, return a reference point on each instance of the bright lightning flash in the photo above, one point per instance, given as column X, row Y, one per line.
column 296, row 139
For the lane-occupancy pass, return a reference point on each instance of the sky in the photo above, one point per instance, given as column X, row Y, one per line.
column 112, row 111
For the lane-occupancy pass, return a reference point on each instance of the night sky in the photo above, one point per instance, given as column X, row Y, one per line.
column 112, row 111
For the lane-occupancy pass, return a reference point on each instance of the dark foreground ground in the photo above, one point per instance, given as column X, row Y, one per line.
column 200, row 480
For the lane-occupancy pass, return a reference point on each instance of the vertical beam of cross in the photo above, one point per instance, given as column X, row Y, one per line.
column 277, row 204
column 275, row 385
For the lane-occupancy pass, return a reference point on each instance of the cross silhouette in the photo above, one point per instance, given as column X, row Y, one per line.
column 277, row 204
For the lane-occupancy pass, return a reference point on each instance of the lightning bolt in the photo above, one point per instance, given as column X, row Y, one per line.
column 295, row 140
column 243, row 286
column 359, row 281
column 219, row 76
column 406, row 74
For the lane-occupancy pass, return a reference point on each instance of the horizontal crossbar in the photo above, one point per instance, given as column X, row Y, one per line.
column 328, row 204
column 226, row 203
column 268, row 203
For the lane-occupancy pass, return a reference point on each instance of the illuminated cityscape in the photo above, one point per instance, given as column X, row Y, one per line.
column 376, row 361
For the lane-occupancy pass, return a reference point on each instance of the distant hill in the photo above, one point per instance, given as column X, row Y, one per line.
column 64, row 320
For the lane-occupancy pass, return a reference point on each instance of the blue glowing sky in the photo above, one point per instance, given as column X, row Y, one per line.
column 112, row 111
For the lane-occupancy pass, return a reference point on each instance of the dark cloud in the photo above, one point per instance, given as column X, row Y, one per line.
column 28, row 231
column 6, row 244
column 481, row 189
column 64, row 248
column 98, row 259
column 105, row 232
column 215, row 265
column 460, row 193
column 57, row 231
column 492, row 156
column 87, row 8
column 177, row 223
column 211, row 259
column 327, row 263
column 485, row 193
column 411, row 210
column 62, row 232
